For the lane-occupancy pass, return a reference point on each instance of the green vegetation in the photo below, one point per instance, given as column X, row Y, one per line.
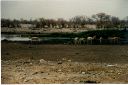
column 98, row 33
column 104, row 33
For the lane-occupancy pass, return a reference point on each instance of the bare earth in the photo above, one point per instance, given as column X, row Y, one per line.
column 44, row 30
column 39, row 64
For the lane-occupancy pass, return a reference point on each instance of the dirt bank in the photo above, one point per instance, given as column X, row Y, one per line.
column 62, row 64
column 34, row 72
column 79, row 53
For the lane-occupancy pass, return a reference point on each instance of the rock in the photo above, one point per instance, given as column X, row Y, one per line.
column 51, row 63
column 59, row 70
column 59, row 62
column 26, row 80
column 69, row 60
column 67, row 79
column 111, row 71
column 82, row 72
column 88, row 81
column 37, row 72
column 26, row 62
column 42, row 61
column 30, row 63
column 44, row 78
column 64, row 59
column 119, row 73
column 22, row 77
column 109, row 65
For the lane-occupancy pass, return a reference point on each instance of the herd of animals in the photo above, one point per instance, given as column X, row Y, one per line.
column 94, row 40
column 90, row 40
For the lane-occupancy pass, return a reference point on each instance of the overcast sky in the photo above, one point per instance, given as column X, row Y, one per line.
column 31, row 9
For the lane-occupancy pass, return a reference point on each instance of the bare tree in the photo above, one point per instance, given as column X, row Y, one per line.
column 61, row 22
column 101, row 19
column 78, row 21
column 115, row 22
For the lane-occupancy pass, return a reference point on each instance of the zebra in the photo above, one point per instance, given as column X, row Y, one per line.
column 82, row 40
column 76, row 40
column 101, row 39
column 114, row 40
column 90, row 39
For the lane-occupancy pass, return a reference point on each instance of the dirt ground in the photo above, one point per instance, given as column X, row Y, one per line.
column 62, row 64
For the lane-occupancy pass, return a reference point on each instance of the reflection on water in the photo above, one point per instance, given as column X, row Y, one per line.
column 19, row 38
column 14, row 37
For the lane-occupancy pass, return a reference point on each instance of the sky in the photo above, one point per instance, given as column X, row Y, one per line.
column 32, row 9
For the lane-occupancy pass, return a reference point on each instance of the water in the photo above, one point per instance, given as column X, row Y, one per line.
column 14, row 37
column 55, row 40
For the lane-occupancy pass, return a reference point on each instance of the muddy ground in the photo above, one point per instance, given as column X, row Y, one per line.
column 26, row 63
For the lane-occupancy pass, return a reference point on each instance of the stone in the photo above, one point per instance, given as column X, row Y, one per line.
column 89, row 81
column 26, row 62
column 67, row 79
column 69, row 60
column 119, row 73
column 109, row 65
column 82, row 72
column 37, row 72
column 42, row 61
column 26, row 80
column 59, row 70
column 59, row 62
column 64, row 59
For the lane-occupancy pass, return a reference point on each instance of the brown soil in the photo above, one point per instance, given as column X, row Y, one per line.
column 79, row 64
column 82, row 53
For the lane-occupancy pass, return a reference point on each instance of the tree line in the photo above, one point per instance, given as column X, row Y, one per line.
column 101, row 20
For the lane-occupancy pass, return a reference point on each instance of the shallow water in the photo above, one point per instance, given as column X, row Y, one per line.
column 14, row 37
column 18, row 37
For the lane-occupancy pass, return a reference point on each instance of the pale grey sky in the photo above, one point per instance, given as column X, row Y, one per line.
column 61, row 8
